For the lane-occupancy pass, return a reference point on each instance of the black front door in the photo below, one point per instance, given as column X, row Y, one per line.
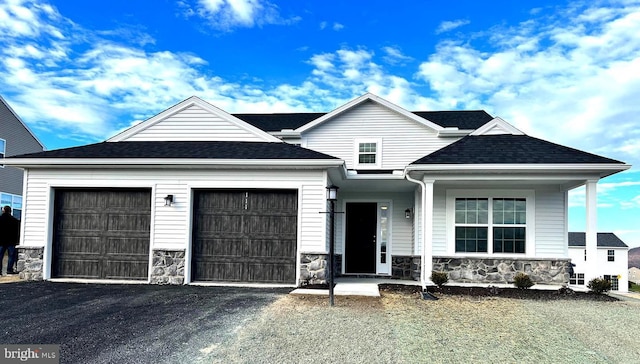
column 360, row 237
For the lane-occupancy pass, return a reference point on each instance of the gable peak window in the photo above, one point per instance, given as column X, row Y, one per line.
column 367, row 153
column 3, row 150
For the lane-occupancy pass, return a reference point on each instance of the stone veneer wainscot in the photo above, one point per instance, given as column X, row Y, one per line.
column 168, row 267
column 502, row 270
column 30, row 263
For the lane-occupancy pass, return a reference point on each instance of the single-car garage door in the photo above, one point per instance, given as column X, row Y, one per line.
column 101, row 234
column 245, row 236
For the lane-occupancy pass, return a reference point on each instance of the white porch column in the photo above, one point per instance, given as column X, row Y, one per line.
column 427, row 229
column 591, row 232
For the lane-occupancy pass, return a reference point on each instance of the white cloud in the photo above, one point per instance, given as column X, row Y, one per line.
column 395, row 56
column 447, row 26
column 573, row 69
column 229, row 14
column 337, row 26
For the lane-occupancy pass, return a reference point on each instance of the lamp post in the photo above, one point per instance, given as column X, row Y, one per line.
column 332, row 196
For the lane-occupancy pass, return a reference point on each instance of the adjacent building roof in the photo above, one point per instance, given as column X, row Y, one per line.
column 509, row 149
column 184, row 149
column 464, row 120
column 608, row 240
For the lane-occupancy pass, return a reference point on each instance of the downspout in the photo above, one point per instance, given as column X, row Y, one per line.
column 422, row 215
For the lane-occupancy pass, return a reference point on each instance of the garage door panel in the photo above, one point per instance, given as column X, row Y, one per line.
column 101, row 234
column 125, row 269
column 80, row 221
column 241, row 230
column 271, row 248
column 129, row 222
column 79, row 245
column 78, row 268
column 127, row 246
column 270, row 273
column 224, row 271
column 275, row 225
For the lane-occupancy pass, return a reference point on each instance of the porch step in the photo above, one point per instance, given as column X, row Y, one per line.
column 368, row 289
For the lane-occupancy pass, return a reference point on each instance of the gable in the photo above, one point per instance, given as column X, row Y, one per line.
column 497, row 126
column 401, row 139
column 194, row 120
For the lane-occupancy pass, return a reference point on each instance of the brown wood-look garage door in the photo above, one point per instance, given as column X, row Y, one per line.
column 245, row 236
column 101, row 234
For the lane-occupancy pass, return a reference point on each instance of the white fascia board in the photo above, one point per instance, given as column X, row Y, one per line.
column 173, row 163
column 368, row 97
column 193, row 100
column 497, row 123
column 454, row 132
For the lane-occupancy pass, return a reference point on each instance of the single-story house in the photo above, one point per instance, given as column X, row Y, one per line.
column 611, row 264
column 195, row 194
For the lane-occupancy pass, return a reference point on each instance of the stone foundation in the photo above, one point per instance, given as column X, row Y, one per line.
column 313, row 269
column 30, row 263
column 502, row 270
column 168, row 267
column 405, row 267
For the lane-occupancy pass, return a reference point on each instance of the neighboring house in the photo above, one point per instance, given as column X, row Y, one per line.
column 195, row 194
column 634, row 275
column 611, row 263
column 15, row 138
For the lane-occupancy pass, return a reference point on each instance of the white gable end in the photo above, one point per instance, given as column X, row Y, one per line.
column 399, row 140
column 497, row 126
column 194, row 120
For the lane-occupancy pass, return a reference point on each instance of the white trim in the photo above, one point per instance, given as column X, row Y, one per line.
column 497, row 126
column 378, row 153
column 3, row 151
column 368, row 97
column 384, row 269
column 596, row 167
column 191, row 101
column 530, row 226
column 99, row 281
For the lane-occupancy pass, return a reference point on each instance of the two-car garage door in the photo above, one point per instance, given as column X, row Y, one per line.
column 238, row 235
column 245, row 236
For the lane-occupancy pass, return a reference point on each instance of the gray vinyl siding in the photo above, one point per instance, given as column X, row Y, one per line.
column 19, row 140
column 171, row 225
column 195, row 124
column 403, row 140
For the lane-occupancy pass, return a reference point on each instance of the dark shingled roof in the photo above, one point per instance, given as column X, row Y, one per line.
column 278, row 122
column 609, row 240
column 465, row 119
column 509, row 149
column 184, row 150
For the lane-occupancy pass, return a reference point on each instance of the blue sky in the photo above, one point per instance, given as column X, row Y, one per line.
column 78, row 72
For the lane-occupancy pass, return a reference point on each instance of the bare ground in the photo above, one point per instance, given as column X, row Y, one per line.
column 402, row 328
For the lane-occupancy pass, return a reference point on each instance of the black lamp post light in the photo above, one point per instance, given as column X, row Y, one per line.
column 332, row 196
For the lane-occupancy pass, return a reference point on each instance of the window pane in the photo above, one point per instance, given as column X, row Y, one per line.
column 17, row 202
column 509, row 239
column 367, row 158
column 521, row 217
column 482, row 246
column 461, row 217
column 5, row 200
column 471, row 239
column 472, row 217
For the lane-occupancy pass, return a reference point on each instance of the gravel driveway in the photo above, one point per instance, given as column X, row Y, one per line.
column 156, row 324
column 128, row 323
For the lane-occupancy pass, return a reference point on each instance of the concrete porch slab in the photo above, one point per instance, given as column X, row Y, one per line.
column 368, row 289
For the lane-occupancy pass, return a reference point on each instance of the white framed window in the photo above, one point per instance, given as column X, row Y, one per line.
column 490, row 222
column 577, row 279
column 3, row 151
column 368, row 153
column 611, row 255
